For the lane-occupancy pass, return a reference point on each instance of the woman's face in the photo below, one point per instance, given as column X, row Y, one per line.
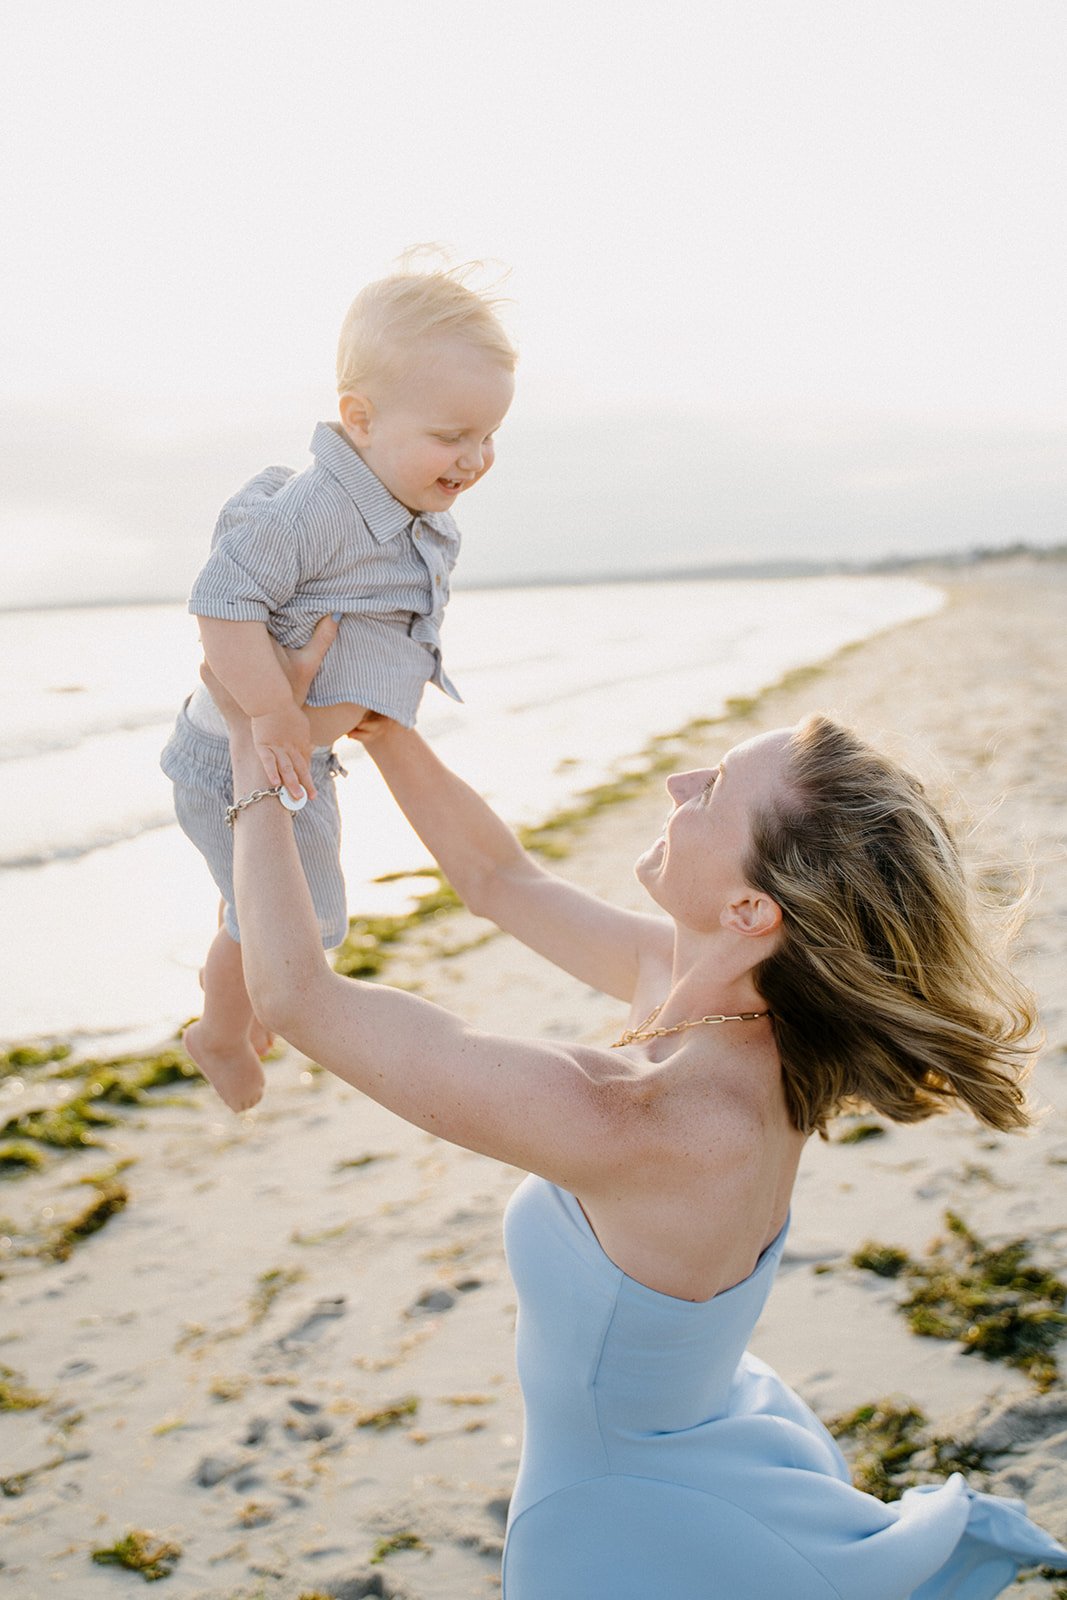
column 696, row 867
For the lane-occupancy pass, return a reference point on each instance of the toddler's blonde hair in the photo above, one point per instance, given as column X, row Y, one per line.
column 390, row 318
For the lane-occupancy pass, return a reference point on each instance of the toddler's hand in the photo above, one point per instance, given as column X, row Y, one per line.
column 283, row 743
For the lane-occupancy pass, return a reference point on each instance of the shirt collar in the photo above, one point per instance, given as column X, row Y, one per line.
column 380, row 510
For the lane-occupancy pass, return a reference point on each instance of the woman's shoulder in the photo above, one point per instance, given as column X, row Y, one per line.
column 697, row 1106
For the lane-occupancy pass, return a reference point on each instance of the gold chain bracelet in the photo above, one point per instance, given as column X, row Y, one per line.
column 250, row 800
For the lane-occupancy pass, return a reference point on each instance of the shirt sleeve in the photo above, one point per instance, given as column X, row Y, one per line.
column 254, row 565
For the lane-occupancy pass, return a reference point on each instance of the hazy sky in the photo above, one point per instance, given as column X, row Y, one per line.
column 822, row 221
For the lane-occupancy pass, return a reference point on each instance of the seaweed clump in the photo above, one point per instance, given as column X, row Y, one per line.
column 389, row 1416
column 988, row 1297
column 860, row 1132
column 396, row 1541
column 141, row 1552
column 17, row 1158
column 14, row 1396
column 68, row 1127
column 883, row 1259
column 365, row 950
column 75, row 1124
column 893, row 1449
column 111, row 1198
column 269, row 1285
column 22, row 1056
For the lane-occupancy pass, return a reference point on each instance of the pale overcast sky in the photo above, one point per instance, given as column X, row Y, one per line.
column 818, row 212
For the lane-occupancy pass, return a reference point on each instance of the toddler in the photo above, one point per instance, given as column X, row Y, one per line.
column 425, row 375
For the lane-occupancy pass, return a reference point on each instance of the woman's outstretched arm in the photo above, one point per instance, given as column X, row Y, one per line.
column 557, row 1110
column 601, row 944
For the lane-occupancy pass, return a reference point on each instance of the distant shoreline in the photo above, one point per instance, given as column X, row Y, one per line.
column 736, row 571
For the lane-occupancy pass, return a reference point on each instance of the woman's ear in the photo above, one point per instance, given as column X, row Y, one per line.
column 752, row 915
column 356, row 416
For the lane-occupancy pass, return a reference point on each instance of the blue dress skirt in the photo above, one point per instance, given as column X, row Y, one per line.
column 662, row 1462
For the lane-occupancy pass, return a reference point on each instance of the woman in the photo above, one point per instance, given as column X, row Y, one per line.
column 816, row 947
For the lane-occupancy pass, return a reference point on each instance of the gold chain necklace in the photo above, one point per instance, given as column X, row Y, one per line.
column 635, row 1035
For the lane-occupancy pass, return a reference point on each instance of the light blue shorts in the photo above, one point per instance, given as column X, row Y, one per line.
column 198, row 765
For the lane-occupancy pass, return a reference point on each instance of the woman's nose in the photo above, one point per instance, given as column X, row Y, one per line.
column 680, row 785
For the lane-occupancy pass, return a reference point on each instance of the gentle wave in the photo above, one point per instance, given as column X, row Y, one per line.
column 47, row 856
column 25, row 746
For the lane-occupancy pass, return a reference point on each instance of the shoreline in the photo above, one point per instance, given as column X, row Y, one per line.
column 551, row 709
column 374, row 934
column 288, row 1348
column 947, row 561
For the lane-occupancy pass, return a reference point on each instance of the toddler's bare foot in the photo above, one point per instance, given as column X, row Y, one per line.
column 260, row 1038
column 234, row 1074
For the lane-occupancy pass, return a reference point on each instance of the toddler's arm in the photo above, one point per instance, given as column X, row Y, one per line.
column 243, row 658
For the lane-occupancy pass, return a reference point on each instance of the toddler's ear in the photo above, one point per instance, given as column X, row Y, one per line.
column 356, row 414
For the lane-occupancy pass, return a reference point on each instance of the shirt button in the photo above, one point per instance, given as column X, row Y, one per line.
column 437, row 580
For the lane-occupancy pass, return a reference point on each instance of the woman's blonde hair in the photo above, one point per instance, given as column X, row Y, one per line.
column 887, row 985
column 389, row 319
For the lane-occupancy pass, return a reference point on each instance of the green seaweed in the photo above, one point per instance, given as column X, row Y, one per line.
column 365, row 949
column 892, row 1448
column 396, row 1541
column 389, row 1416
column 541, row 838
column 14, row 1396
column 883, row 1259
column 141, row 1552
column 16, row 1483
column 860, row 1132
column 97, row 1180
column 17, row 1158
column 987, row 1297
column 111, row 1198
column 886, row 1436
column 23, row 1056
column 323, row 1236
column 127, row 1080
column 269, row 1285
column 67, row 1127
column 74, row 1124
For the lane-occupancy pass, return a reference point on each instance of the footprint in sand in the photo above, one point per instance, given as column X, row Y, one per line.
column 437, row 1300
column 313, row 1325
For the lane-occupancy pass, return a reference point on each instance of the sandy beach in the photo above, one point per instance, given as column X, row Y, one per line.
column 281, row 1345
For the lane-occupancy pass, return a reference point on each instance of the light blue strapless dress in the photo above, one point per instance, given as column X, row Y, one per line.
column 662, row 1462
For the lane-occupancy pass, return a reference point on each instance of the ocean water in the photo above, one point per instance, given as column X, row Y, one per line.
column 106, row 910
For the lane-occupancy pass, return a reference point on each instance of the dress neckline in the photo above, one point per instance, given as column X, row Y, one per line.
column 767, row 1257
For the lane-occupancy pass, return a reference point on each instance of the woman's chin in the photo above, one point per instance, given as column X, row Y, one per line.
column 647, row 863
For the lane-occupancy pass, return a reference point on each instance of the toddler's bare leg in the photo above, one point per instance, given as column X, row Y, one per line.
column 220, row 1043
column 260, row 1035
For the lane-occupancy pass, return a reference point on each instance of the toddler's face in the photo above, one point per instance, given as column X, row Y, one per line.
column 429, row 436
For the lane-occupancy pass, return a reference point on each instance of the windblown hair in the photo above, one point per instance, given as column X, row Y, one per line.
column 389, row 319
column 888, row 986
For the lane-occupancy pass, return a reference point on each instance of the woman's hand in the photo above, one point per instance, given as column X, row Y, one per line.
column 299, row 667
column 370, row 727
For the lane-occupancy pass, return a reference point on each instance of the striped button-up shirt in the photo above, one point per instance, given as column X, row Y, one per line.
column 291, row 547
